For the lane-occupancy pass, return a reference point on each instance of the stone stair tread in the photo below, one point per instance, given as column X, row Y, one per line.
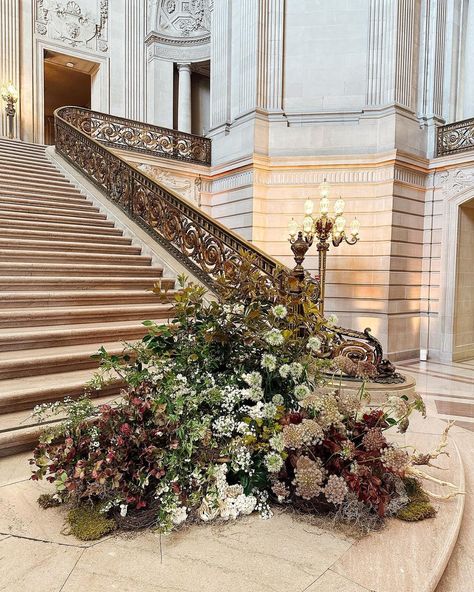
column 47, row 209
column 16, row 387
column 47, row 244
column 49, row 202
column 54, row 226
column 77, row 268
column 58, row 330
column 51, row 311
column 68, row 234
column 52, row 218
column 68, row 255
column 81, row 282
column 65, row 352
column 40, row 296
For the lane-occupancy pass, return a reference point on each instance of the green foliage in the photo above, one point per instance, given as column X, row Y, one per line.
column 87, row 523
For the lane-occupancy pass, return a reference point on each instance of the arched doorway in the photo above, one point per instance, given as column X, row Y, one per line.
column 463, row 322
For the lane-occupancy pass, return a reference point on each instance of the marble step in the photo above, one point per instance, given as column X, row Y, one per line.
column 19, row 179
column 42, row 189
column 70, row 203
column 16, row 339
column 48, row 316
column 37, row 246
column 32, row 226
column 51, row 360
column 24, row 156
column 68, row 256
column 9, row 142
column 27, row 163
column 7, row 216
column 84, row 282
column 36, row 173
column 77, row 269
column 37, row 208
column 32, row 299
column 63, row 236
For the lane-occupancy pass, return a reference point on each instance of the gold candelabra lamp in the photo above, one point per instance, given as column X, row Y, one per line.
column 324, row 228
column 10, row 95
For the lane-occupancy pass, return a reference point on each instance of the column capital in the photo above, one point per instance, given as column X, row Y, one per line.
column 186, row 66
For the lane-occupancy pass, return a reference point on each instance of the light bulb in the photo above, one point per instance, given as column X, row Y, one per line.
column 307, row 224
column 340, row 224
column 9, row 92
column 293, row 227
column 324, row 206
column 324, row 189
column 355, row 227
column 339, row 206
column 308, row 207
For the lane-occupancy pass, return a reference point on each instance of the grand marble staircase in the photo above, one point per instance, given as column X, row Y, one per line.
column 69, row 283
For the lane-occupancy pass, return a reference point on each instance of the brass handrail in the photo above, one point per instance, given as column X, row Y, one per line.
column 455, row 137
column 128, row 134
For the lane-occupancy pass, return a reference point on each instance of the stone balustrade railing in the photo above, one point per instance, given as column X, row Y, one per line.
column 455, row 137
column 126, row 134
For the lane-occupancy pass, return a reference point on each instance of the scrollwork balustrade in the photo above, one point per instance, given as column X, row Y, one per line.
column 126, row 134
column 455, row 137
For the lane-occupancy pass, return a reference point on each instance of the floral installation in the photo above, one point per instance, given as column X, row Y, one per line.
column 225, row 411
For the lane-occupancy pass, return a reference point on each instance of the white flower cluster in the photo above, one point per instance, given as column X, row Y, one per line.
column 230, row 502
column 279, row 311
column 274, row 337
column 242, row 460
column 314, row 344
column 255, row 392
column 268, row 362
column 224, row 426
column 261, row 410
column 273, row 462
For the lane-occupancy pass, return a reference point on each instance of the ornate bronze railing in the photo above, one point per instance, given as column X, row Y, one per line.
column 455, row 137
column 126, row 134
column 203, row 245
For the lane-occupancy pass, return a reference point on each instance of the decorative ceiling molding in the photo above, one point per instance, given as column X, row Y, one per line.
column 179, row 22
column 82, row 25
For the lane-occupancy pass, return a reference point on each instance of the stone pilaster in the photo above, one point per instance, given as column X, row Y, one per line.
column 382, row 19
column 135, row 30
column 221, row 63
column 270, row 51
column 9, row 57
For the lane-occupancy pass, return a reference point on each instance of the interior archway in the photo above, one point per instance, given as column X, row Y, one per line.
column 463, row 330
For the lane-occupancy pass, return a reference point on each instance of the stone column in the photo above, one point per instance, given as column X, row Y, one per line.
column 9, row 58
column 184, row 98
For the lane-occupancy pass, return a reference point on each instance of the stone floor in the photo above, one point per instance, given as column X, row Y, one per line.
column 252, row 555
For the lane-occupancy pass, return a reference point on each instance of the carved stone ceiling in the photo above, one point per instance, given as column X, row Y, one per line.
column 78, row 24
column 184, row 18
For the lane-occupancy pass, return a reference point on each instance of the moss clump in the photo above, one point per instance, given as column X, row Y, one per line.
column 416, row 511
column 46, row 500
column 88, row 524
column 419, row 507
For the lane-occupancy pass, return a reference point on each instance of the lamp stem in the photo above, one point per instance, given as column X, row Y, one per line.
column 323, row 247
column 10, row 112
